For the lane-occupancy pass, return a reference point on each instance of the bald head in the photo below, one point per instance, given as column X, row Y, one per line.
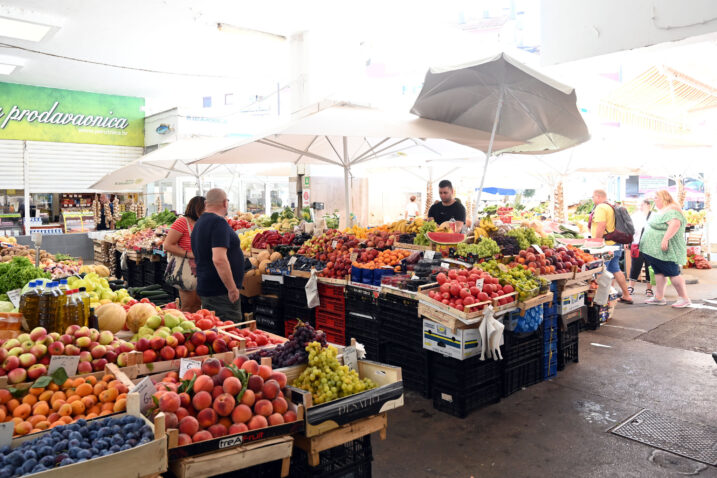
column 216, row 201
column 599, row 196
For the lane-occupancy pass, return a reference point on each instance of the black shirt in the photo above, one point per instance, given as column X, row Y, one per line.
column 441, row 213
column 211, row 231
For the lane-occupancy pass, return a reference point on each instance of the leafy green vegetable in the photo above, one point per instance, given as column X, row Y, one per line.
column 127, row 220
column 585, row 207
column 18, row 272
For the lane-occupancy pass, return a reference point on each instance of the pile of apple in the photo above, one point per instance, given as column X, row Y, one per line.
column 219, row 400
column 459, row 288
column 551, row 261
column 179, row 345
column 27, row 356
column 206, row 320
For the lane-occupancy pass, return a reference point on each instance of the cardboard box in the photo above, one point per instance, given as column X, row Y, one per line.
column 459, row 344
column 251, row 287
column 570, row 302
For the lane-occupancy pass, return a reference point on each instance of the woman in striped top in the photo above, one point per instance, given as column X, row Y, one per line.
column 179, row 243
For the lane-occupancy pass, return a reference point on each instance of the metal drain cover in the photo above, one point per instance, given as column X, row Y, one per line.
column 694, row 441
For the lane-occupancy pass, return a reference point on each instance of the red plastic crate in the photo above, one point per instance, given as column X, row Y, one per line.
column 331, row 291
column 331, row 320
column 289, row 327
column 338, row 339
column 331, row 305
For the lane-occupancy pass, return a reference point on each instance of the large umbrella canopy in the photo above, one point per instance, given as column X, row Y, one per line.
column 345, row 135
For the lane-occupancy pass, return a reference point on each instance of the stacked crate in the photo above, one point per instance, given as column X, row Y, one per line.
column 349, row 460
column 268, row 314
column 568, row 344
column 402, row 341
column 522, row 360
column 550, row 346
column 293, row 297
column 462, row 386
column 331, row 314
column 362, row 320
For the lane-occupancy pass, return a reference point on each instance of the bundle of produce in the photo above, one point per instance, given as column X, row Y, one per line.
column 332, row 221
column 567, row 233
column 98, row 288
column 407, row 227
column 486, row 247
column 696, row 260
column 694, row 217
column 294, row 351
column 356, row 230
column 247, row 237
column 406, row 238
column 523, row 281
column 551, row 261
column 338, row 265
column 458, row 289
column 165, row 217
column 326, row 378
column 243, row 216
column 56, row 401
column 484, row 228
column 380, row 239
column 217, row 400
column 421, row 239
column 7, row 253
column 8, row 240
column 301, row 263
column 127, row 220
column 271, row 238
column 301, row 238
column 525, row 236
column 17, row 272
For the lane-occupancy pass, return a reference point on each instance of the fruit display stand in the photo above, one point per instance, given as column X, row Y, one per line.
column 453, row 318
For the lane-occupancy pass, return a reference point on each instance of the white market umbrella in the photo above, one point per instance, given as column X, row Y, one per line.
column 508, row 98
column 344, row 135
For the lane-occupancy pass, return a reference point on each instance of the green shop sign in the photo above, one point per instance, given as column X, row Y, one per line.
column 34, row 113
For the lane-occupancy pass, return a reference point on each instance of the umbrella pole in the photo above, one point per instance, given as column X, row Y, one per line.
column 489, row 153
column 347, row 184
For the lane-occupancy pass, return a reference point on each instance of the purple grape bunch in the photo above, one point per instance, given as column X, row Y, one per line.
column 294, row 351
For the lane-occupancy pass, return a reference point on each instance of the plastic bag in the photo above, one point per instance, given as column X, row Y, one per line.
column 602, row 294
column 312, row 291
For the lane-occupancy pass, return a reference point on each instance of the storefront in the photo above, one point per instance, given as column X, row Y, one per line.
column 54, row 144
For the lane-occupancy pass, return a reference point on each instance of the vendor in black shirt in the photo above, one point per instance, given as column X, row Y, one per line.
column 448, row 208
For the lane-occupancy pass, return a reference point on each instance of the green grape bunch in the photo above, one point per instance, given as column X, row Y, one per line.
column 523, row 281
column 326, row 378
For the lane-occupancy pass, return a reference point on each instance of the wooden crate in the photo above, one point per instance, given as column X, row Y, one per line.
column 251, row 325
column 333, row 438
column 234, row 459
column 137, row 368
column 534, row 302
column 412, row 247
column 407, row 294
column 129, row 371
column 332, row 281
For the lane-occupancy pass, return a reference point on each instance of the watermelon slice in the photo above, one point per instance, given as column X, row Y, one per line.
column 445, row 237
column 571, row 242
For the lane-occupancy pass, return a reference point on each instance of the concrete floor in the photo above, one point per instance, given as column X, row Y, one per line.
column 643, row 358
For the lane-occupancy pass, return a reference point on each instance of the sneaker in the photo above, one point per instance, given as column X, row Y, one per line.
column 682, row 303
column 655, row 301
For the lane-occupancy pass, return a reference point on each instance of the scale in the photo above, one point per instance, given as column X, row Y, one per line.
column 37, row 240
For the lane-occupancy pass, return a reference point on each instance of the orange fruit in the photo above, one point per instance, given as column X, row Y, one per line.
column 41, row 408
column 37, row 391
column 84, row 390
column 89, row 401
column 91, row 415
column 65, row 410
column 67, row 420
column 105, row 412
column 78, row 381
column 5, row 396
column 78, row 408
column 91, row 380
column 43, row 425
column 108, row 378
column 35, row 419
column 58, row 395
column 12, row 404
column 73, row 398
column 3, row 415
column 45, row 396
column 108, row 406
column 109, row 395
column 96, row 409
column 57, row 404
column 53, row 387
column 29, row 399
column 120, row 405
column 99, row 388
column 53, row 417
column 22, row 411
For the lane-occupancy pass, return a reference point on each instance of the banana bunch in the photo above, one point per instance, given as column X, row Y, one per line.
column 407, row 227
column 356, row 230
column 479, row 233
column 487, row 224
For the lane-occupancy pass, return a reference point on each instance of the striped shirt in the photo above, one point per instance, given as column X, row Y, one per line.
column 181, row 225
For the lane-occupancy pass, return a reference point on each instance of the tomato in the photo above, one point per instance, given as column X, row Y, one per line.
column 508, row 289
column 465, row 293
column 145, row 301
column 458, row 302
column 452, row 274
column 445, row 287
column 441, row 278
column 262, row 340
column 171, row 305
column 482, row 297
column 132, row 302
column 469, row 300
column 455, row 290
column 474, row 291
column 204, row 324
column 459, row 307
column 445, row 301
column 203, row 312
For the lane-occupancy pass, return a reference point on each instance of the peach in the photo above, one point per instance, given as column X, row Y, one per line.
column 256, row 383
column 171, row 420
column 248, row 398
column 224, row 374
column 207, row 417
column 279, row 377
column 202, row 400
column 241, row 414
column 264, row 372
column 270, row 390
column 218, row 430
column 184, row 439
column 251, row 366
column 257, row 421
column 190, row 373
column 226, row 421
column 239, row 361
column 119, row 406
column 23, row 428
column 169, row 402
column 211, row 366
column 203, row 383
column 22, row 411
column 53, row 417
column 185, row 399
column 232, row 385
column 238, row 428
column 276, row 419
column 5, row 396
column 217, row 390
column 263, row 407
column 224, row 404
column 188, row 425
column 181, row 413
column 280, row 405
column 201, row 436
column 290, row 416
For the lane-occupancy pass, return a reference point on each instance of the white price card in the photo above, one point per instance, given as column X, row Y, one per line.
column 445, row 265
column 6, row 431
column 68, row 362
column 292, row 261
column 429, row 255
column 145, row 389
column 537, row 249
column 354, row 256
column 186, row 364
column 351, row 358
column 14, row 296
column 479, row 283
column 334, row 244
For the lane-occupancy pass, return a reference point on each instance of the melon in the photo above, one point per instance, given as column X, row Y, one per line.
column 262, row 256
column 138, row 314
column 254, row 262
column 445, row 237
column 250, row 273
column 275, row 256
column 102, row 271
column 111, row 317
column 262, row 266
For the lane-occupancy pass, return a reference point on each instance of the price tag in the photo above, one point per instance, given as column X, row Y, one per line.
column 6, row 431
column 186, row 364
column 479, row 283
column 68, row 362
column 351, row 358
column 354, row 256
column 445, row 265
column 14, row 296
column 537, row 249
column 334, row 244
column 145, row 389
column 292, row 261
column 429, row 255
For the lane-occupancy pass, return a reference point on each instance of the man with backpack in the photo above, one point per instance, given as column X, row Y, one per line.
column 613, row 224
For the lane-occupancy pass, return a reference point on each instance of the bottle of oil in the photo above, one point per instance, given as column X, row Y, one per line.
column 85, row 298
column 72, row 309
column 62, row 287
column 92, row 321
column 47, row 307
column 29, row 303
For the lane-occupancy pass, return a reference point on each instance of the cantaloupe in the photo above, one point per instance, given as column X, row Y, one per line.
column 254, row 262
column 262, row 256
column 138, row 314
column 111, row 317
column 102, row 271
column 275, row 256
column 262, row 266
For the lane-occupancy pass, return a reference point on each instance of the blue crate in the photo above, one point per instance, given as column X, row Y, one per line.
column 530, row 322
column 550, row 308
column 549, row 320
column 549, row 365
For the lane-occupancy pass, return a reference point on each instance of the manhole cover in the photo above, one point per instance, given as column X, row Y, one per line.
column 698, row 442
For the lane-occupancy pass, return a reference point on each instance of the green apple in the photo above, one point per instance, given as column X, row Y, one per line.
column 153, row 322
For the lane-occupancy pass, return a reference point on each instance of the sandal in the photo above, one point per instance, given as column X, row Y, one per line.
column 649, row 293
column 626, row 301
column 631, row 290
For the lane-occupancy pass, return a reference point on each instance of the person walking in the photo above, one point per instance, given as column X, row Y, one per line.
column 411, row 209
column 602, row 221
column 448, row 208
column 639, row 220
column 179, row 243
column 663, row 244
column 220, row 260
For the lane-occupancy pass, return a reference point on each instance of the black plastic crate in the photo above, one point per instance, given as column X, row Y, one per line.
column 370, row 343
column 268, row 311
column 350, row 460
column 414, row 363
column 248, row 304
column 296, row 296
column 522, row 374
column 270, row 287
column 360, row 294
column 522, row 346
column 463, row 374
column 459, row 403
column 265, row 470
column 549, row 367
column 568, row 345
column 301, row 313
column 274, row 325
column 292, row 282
column 397, row 304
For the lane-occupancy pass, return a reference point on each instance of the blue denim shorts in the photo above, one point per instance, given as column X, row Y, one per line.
column 613, row 265
column 665, row 268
